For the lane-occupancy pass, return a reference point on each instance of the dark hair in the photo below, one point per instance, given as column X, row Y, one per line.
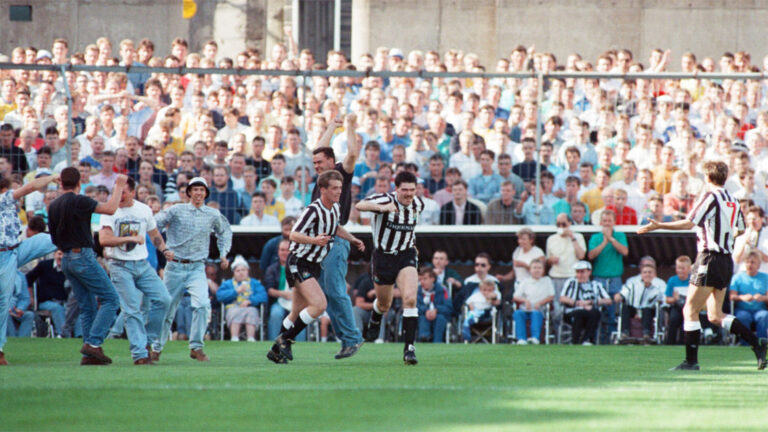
column 44, row 150
column 287, row 220
column 130, row 183
column 326, row 151
column 36, row 224
column 716, row 172
column 324, row 179
column 70, row 176
column 259, row 194
column 404, row 177
column 278, row 156
column 428, row 271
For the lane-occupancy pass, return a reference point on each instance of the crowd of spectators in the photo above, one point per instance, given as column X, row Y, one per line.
column 612, row 152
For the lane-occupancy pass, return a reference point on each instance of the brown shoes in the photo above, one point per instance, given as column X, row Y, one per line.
column 145, row 361
column 3, row 361
column 198, row 355
column 91, row 361
column 95, row 352
column 154, row 356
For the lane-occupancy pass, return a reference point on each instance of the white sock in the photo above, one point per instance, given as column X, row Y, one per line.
column 288, row 324
column 411, row 312
column 691, row 325
column 235, row 339
column 376, row 306
column 306, row 317
column 728, row 321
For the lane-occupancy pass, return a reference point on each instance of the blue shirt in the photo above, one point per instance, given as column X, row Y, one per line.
column 546, row 211
column 189, row 230
column 743, row 283
column 485, row 187
column 676, row 282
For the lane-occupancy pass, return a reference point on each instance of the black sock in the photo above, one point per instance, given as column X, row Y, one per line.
column 298, row 326
column 743, row 332
column 691, row 340
column 409, row 330
column 375, row 317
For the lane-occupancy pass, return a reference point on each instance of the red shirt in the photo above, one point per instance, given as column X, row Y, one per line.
column 627, row 215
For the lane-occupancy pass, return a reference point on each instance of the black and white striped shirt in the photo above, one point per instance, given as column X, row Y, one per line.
column 718, row 219
column 589, row 291
column 393, row 231
column 315, row 220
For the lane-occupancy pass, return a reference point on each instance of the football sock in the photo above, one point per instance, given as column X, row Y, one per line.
column 286, row 325
column 410, row 324
column 736, row 327
column 304, row 320
column 376, row 313
column 691, row 336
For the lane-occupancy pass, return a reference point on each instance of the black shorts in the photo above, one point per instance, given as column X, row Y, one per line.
column 297, row 270
column 712, row 269
column 385, row 267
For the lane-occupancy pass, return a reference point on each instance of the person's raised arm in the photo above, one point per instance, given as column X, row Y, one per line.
column 325, row 138
column 110, row 207
column 353, row 146
column 33, row 186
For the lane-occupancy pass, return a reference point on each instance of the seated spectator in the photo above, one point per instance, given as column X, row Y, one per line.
column 280, row 292
column 51, row 295
column 677, row 289
column 480, row 305
column 501, row 211
column 293, row 206
column 522, row 257
column 747, row 188
column 242, row 295
column 431, row 213
column 106, row 177
column 755, row 238
column 447, row 277
column 504, row 163
column 532, row 295
column 564, row 248
column 145, row 178
column 465, row 159
column 487, row 185
column 444, row 196
column 593, row 198
column 258, row 217
column 625, row 215
column 542, row 213
column 582, row 299
column 655, row 211
column 678, row 202
column 273, row 206
column 470, row 284
column 579, row 213
column 435, row 180
column 571, row 199
column 367, row 170
column 269, row 252
column 230, row 202
column 527, row 168
column 748, row 292
column 640, row 297
column 20, row 319
column 662, row 174
column 435, row 307
column 460, row 211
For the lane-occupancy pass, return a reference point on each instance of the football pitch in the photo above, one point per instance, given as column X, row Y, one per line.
column 454, row 388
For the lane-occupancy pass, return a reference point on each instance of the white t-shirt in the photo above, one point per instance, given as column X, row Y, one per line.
column 522, row 273
column 129, row 221
column 563, row 248
column 760, row 240
column 535, row 290
column 479, row 302
column 253, row 220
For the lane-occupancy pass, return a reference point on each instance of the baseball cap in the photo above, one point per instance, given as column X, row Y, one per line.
column 198, row 181
column 396, row 52
column 44, row 54
column 582, row 265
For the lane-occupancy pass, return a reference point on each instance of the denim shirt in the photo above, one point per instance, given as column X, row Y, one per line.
column 189, row 229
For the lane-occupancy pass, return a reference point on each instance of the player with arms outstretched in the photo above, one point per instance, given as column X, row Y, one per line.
column 717, row 218
column 395, row 258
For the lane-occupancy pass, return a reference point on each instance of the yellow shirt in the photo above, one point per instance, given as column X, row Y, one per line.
column 276, row 209
column 6, row 108
column 593, row 198
column 177, row 145
column 662, row 179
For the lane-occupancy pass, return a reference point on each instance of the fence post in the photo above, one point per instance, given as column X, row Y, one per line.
column 539, row 101
column 69, row 114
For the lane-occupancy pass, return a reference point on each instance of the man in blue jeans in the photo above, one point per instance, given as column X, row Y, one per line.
column 188, row 232
column 51, row 294
column 333, row 278
column 69, row 221
column 122, row 236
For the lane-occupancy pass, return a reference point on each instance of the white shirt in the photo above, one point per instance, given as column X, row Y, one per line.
column 129, row 221
column 431, row 213
column 253, row 220
column 479, row 302
column 535, row 290
column 293, row 206
column 563, row 248
column 760, row 240
column 522, row 273
column 468, row 166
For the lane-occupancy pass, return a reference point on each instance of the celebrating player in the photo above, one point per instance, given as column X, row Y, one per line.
column 717, row 218
column 311, row 240
column 395, row 258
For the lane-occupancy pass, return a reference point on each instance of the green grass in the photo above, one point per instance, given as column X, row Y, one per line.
column 454, row 388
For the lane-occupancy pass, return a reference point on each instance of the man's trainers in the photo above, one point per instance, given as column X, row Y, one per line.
column 760, row 351
column 371, row 331
column 283, row 346
column 95, row 352
column 348, row 351
column 686, row 366
column 409, row 356
column 198, row 355
column 276, row 357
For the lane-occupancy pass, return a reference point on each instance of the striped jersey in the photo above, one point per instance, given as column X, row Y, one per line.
column 637, row 295
column 315, row 220
column 589, row 291
column 393, row 231
column 718, row 219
